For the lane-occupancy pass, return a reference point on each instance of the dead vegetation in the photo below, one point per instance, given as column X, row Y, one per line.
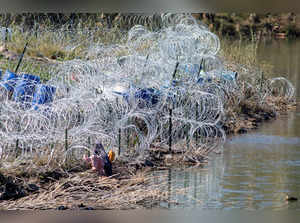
column 84, row 190
column 252, row 111
column 131, row 186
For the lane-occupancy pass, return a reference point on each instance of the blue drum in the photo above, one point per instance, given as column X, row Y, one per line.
column 146, row 96
column 43, row 94
column 25, row 87
column 229, row 75
column 9, row 80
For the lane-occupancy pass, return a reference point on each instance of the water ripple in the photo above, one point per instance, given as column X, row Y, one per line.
column 265, row 140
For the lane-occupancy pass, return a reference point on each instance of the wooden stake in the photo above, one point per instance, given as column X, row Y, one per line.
column 21, row 58
column 175, row 70
column 128, row 139
column 119, row 134
column 35, row 30
column 17, row 147
column 170, row 129
column 66, row 140
column 187, row 139
column 5, row 39
column 89, row 143
column 171, row 112
column 119, row 139
column 200, row 68
column 6, row 31
column 197, row 116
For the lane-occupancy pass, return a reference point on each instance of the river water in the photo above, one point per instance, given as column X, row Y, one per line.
column 256, row 170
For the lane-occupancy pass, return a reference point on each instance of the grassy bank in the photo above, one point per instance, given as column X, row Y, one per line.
column 237, row 25
column 254, row 108
column 82, row 190
column 52, row 185
column 253, row 25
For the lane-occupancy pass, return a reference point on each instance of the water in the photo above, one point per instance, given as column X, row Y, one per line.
column 256, row 170
column 284, row 55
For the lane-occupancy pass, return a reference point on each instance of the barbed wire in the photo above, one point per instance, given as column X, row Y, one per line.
column 126, row 95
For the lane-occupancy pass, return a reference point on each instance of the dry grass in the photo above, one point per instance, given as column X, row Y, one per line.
column 248, row 108
column 131, row 186
column 281, row 104
column 250, row 113
column 100, row 193
column 239, row 52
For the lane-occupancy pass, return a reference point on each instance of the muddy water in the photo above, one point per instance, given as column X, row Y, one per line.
column 256, row 170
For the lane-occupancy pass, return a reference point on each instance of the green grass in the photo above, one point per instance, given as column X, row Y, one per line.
column 61, row 44
column 31, row 67
column 56, row 45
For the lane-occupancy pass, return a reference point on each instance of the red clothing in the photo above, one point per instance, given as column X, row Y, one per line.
column 97, row 163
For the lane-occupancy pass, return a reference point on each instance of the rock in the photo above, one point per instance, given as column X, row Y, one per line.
column 62, row 208
column 189, row 159
column 2, row 179
column 83, row 207
column 50, row 176
column 149, row 163
column 289, row 198
column 242, row 131
column 272, row 114
column 89, row 208
column 11, row 190
column 32, row 188
column 266, row 116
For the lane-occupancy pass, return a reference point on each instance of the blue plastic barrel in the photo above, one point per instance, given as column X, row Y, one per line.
column 9, row 80
column 192, row 69
column 25, row 87
column 229, row 75
column 31, row 77
column 43, row 95
column 149, row 95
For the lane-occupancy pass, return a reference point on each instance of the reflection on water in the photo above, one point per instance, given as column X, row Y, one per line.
column 261, row 139
column 256, row 170
column 284, row 55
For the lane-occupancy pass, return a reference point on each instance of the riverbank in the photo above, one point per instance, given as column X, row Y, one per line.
column 54, row 179
column 245, row 25
column 131, row 186
column 252, row 25
column 83, row 190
